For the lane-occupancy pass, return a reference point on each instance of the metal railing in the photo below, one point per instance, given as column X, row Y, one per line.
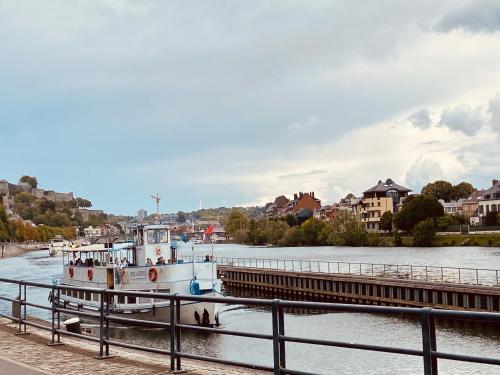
column 277, row 336
column 455, row 275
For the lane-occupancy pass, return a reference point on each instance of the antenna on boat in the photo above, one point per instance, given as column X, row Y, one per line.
column 157, row 199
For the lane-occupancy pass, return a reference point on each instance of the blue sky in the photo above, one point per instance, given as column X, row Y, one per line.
column 234, row 103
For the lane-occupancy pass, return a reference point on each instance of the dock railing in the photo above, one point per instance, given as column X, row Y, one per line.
column 455, row 275
column 277, row 336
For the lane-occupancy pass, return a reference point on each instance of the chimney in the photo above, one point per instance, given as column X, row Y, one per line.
column 312, row 194
column 494, row 182
column 301, row 194
column 295, row 197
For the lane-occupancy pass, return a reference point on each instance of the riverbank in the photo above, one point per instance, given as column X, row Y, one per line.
column 8, row 250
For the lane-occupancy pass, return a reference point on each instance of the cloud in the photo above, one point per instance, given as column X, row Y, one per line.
column 494, row 111
column 422, row 171
column 473, row 17
column 304, row 174
column 307, row 122
column 421, row 119
column 463, row 118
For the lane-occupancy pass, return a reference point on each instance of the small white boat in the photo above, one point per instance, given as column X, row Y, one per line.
column 57, row 245
column 100, row 266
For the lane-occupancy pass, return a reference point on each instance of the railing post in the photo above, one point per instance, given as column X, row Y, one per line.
column 426, row 273
column 372, row 269
column 477, row 276
column 459, row 281
column 172, row 333
column 22, row 310
column 428, row 341
column 384, row 271
column 281, row 331
column 411, row 272
column 360, row 269
column 329, row 268
column 178, row 335
column 53, row 326
column 276, row 338
column 497, row 275
column 103, row 329
column 442, row 276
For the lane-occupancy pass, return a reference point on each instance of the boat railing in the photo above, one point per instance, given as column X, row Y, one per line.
column 441, row 274
column 278, row 335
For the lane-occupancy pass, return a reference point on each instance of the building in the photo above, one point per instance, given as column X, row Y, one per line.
column 91, row 232
column 385, row 196
column 277, row 207
column 86, row 213
column 301, row 201
column 489, row 202
column 142, row 214
column 470, row 207
column 453, row 208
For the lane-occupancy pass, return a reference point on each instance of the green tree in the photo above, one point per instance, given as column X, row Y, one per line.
column 346, row 230
column 181, row 217
column 292, row 237
column 439, row 190
column 29, row 180
column 416, row 210
column 424, row 232
column 83, row 203
column 398, row 241
column 273, row 231
column 23, row 198
column 237, row 225
column 311, row 231
column 462, row 190
column 291, row 220
column 386, row 221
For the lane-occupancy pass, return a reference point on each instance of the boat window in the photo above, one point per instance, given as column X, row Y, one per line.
column 131, row 300
column 121, row 299
column 157, row 236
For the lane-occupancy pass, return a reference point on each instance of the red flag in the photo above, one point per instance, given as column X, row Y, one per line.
column 210, row 229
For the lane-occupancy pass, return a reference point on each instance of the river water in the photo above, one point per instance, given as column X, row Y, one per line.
column 481, row 340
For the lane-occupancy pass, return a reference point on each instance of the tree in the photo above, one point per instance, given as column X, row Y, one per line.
column 462, row 190
column 237, row 225
column 181, row 217
column 23, row 198
column 292, row 237
column 491, row 219
column 311, row 230
column 439, row 190
column 29, row 180
column 423, row 233
column 346, row 230
column 386, row 221
column 416, row 210
column 83, row 203
column 291, row 220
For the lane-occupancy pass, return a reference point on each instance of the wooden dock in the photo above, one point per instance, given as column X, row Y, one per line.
column 345, row 288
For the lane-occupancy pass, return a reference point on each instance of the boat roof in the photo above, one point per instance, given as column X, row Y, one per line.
column 101, row 247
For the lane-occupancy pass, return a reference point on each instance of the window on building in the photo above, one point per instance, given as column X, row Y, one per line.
column 494, row 207
column 378, row 204
column 481, row 210
column 373, row 204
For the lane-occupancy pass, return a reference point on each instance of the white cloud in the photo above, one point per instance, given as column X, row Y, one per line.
column 307, row 122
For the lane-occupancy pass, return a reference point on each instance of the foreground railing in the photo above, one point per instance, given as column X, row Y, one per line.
column 277, row 336
column 455, row 275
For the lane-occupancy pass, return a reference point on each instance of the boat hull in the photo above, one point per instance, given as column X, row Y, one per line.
column 192, row 313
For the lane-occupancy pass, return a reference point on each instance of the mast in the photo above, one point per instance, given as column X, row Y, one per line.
column 157, row 199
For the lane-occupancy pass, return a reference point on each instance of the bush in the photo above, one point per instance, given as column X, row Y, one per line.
column 373, row 239
column 423, row 233
column 398, row 241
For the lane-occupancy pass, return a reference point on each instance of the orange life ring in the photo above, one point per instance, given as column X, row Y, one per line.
column 90, row 274
column 71, row 272
column 153, row 274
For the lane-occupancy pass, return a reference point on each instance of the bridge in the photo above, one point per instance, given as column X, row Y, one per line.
column 363, row 283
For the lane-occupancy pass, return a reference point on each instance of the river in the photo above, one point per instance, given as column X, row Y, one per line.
column 481, row 340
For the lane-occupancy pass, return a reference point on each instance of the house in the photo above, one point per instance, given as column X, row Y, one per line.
column 470, row 207
column 453, row 208
column 385, row 196
column 276, row 208
column 301, row 201
column 91, row 232
column 490, row 201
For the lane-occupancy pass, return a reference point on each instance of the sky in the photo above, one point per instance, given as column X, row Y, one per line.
column 233, row 103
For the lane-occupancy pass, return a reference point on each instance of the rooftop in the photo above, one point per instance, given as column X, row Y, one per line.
column 383, row 187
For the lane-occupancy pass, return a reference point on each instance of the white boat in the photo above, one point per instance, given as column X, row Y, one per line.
column 57, row 245
column 98, row 266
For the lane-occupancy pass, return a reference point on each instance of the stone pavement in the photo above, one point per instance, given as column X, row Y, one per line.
column 30, row 355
